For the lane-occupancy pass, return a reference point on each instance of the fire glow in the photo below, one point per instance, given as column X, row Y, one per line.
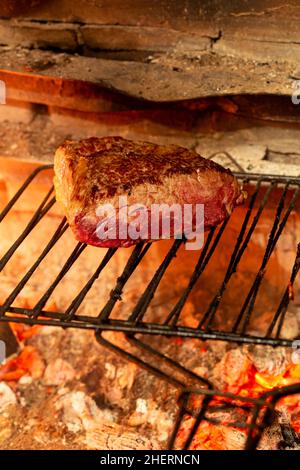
column 210, row 436
column 251, row 384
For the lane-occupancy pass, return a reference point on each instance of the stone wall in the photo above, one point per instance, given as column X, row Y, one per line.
column 159, row 51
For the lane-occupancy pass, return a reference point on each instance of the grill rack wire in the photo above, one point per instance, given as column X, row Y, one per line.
column 261, row 409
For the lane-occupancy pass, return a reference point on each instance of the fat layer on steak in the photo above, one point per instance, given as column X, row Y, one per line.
column 97, row 171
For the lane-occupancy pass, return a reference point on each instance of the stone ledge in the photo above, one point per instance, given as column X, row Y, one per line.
column 168, row 78
column 29, row 34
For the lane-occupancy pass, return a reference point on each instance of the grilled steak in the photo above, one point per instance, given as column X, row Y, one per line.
column 97, row 171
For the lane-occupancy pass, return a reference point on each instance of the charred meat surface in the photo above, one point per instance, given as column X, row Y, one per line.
column 106, row 171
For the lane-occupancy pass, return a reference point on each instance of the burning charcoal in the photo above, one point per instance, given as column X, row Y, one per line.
column 27, row 362
column 110, row 371
column 291, row 439
column 212, row 437
column 280, row 434
column 235, row 439
column 117, row 381
column 268, row 360
column 75, row 410
column 271, row 435
column 232, row 371
column 58, row 372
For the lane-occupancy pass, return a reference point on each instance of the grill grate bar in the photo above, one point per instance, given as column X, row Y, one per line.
column 146, row 298
column 20, row 191
column 39, row 214
column 274, row 236
column 237, row 255
column 260, row 275
column 134, row 260
column 137, row 360
column 200, row 417
column 75, row 304
column 57, row 235
column 80, row 247
column 179, row 419
column 202, row 261
column 168, row 361
column 282, row 308
column 24, row 315
column 201, row 267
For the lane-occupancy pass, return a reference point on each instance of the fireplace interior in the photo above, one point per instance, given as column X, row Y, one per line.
column 155, row 346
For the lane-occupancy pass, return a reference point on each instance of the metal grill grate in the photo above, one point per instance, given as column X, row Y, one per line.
column 261, row 193
column 261, row 200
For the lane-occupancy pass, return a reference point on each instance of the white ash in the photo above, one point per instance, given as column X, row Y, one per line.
column 125, row 375
column 26, row 380
column 115, row 437
column 80, row 412
column 110, row 371
column 7, row 396
column 148, row 412
column 231, row 370
column 268, row 360
column 141, row 406
column 58, row 372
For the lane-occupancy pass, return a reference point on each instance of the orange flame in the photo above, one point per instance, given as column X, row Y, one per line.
column 28, row 362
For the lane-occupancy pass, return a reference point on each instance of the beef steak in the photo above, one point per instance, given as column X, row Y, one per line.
column 97, row 171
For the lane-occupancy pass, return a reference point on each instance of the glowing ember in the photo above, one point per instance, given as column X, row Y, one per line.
column 28, row 362
column 23, row 332
column 249, row 383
